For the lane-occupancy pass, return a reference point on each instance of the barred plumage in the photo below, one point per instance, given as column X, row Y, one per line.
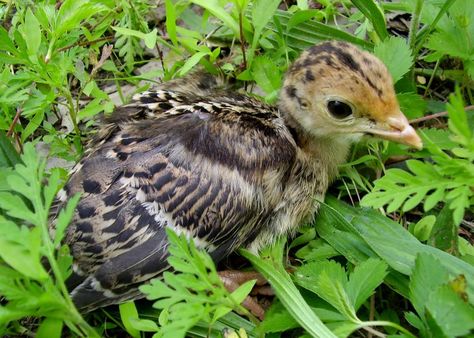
column 223, row 168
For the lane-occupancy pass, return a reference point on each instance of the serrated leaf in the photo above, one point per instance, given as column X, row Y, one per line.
column 365, row 278
column 266, row 73
column 411, row 104
column 328, row 280
column 427, row 276
column 397, row 56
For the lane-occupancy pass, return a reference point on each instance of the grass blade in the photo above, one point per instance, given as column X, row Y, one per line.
column 375, row 15
column 287, row 292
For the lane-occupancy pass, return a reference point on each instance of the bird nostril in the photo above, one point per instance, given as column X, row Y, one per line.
column 397, row 123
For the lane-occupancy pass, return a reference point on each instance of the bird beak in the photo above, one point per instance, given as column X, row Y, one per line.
column 396, row 128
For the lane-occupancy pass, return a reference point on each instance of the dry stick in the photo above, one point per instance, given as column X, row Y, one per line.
column 15, row 120
column 434, row 116
column 85, row 43
column 242, row 39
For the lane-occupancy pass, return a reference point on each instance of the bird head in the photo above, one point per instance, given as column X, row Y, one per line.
column 334, row 89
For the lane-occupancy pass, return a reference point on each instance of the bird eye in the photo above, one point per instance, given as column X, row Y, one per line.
column 339, row 109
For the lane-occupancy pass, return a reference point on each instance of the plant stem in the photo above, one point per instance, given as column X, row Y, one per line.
column 386, row 323
column 430, row 81
column 415, row 21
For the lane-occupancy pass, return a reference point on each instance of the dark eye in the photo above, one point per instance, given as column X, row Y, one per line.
column 339, row 109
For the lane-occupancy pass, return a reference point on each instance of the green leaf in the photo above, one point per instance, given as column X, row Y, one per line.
column 422, row 229
column 145, row 325
column 72, row 12
column 411, row 104
column 458, row 122
column 372, row 11
column 266, row 73
column 397, row 56
column 243, row 291
column 128, row 311
column 8, row 155
column 450, row 312
column 64, row 217
column 6, row 43
column 149, row 38
column 329, row 281
column 20, row 248
column 171, row 21
column 262, row 12
column 444, row 234
column 365, row 278
column 427, row 276
column 384, row 237
column 50, row 328
column 287, row 292
column 299, row 17
column 191, row 62
column 216, row 9
column 31, row 33
column 309, row 33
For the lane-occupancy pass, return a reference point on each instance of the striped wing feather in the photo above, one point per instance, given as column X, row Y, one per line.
column 194, row 164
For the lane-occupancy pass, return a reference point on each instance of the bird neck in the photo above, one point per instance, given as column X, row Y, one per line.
column 329, row 151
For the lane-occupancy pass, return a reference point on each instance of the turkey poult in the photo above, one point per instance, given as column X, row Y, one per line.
column 224, row 169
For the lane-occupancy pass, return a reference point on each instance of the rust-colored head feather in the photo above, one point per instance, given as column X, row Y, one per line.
column 334, row 88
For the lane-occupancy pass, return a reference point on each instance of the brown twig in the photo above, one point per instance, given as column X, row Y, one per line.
column 242, row 39
column 15, row 120
column 85, row 43
column 434, row 116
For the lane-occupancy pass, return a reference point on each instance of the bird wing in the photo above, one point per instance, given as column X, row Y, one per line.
column 197, row 165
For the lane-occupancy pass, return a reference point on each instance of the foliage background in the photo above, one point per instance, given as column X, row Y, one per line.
column 403, row 270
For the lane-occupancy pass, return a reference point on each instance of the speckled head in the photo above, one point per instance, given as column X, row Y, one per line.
column 335, row 89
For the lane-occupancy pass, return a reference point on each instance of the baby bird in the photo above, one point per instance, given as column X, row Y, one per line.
column 224, row 169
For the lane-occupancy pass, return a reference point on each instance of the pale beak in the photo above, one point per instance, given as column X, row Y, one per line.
column 397, row 128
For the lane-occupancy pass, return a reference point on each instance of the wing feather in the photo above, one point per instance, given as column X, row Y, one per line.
column 170, row 160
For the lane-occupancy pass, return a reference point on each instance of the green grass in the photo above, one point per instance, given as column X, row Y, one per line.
column 403, row 269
